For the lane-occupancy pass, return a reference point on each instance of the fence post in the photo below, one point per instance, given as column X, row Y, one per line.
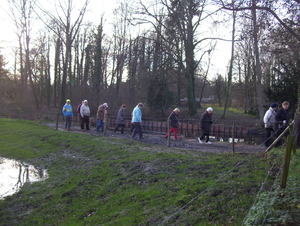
column 233, row 130
column 287, row 159
column 105, row 124
column 168, row 129
column 57, row 116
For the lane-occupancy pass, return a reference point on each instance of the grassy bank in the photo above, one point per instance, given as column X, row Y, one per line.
column 109, row 181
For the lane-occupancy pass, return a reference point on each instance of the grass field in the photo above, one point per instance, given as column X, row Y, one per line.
column 110, row 181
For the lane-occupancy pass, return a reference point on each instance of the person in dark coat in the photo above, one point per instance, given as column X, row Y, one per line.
column 205, row 123
column 174, row 120
column 120, row 119
column 282, row 118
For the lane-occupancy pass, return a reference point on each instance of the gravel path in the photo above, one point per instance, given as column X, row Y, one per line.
column 159, row 139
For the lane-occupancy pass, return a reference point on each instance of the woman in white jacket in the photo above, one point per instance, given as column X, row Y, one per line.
column 85, row 114
column 269, row 120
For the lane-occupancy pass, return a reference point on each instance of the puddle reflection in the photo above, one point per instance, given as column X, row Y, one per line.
column 13, row 175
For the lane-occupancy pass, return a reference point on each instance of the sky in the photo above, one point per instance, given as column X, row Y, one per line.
column 96, row 8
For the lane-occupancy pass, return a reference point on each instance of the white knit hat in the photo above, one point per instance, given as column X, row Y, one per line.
column 209, row 109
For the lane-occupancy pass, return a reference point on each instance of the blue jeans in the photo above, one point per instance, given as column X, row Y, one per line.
column 100, row 124
column 68, row 122
column 137, row 129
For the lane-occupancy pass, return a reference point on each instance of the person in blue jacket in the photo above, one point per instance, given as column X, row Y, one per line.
column 68, row 114
column 137, row 120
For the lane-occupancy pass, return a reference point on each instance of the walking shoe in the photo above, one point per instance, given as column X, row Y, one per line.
column 208, row 142
column 200, row 141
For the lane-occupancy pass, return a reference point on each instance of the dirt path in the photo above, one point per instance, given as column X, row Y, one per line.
column 159, row 139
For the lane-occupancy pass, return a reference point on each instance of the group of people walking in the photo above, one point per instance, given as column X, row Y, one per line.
column 275, row 120
column 205, row 124
column 84, row 113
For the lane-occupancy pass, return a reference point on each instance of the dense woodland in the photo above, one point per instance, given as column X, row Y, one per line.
column 156, row 52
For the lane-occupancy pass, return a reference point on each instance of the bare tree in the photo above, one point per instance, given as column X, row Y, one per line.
column 121, row 31
column 219, row 88
column 230, row 73
column 21, row 12
column 70, row 28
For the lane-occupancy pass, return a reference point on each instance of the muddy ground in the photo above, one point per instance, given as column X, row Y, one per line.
column 159, row 139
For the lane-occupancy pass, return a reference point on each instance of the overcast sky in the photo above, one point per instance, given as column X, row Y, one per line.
column 95, row 10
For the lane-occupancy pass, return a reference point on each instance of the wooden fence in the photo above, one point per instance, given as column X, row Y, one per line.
column 189, row 129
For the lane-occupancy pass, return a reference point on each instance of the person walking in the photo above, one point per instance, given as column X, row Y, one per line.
column 120, row 121
column 174, row 121
column 205, row 123
column 269, row 121
column 137, row 120
column 68, row 114
column 85, row 114
column 282, row 118
column 100, row 116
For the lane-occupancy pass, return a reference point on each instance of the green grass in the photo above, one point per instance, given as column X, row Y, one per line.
column 109, row 181
column 218, row 110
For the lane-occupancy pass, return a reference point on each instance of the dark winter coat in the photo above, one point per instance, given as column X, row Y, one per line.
column 206, row 121
column 120, row 117
column 174, row 120
column 280, row 116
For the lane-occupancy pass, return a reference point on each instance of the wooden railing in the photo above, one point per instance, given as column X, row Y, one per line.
column 189, row 129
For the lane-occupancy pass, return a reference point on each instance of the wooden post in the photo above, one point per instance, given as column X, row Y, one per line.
column 297, row 126
column 168, row 128
column 57, row 116
column 105, row 123
column 233, row 130
column 287, row 159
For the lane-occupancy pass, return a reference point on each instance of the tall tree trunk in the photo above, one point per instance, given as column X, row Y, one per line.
column 56, row 71
column 229, row 80
column 190, row 68
column 258, row 70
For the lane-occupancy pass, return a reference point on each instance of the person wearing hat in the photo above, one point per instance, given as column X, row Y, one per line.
column 269, row 121
column 120, row 119
column 85, row 114
column 174, row 121
column 68, row 114
column 102, row 110
column 205, row 123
